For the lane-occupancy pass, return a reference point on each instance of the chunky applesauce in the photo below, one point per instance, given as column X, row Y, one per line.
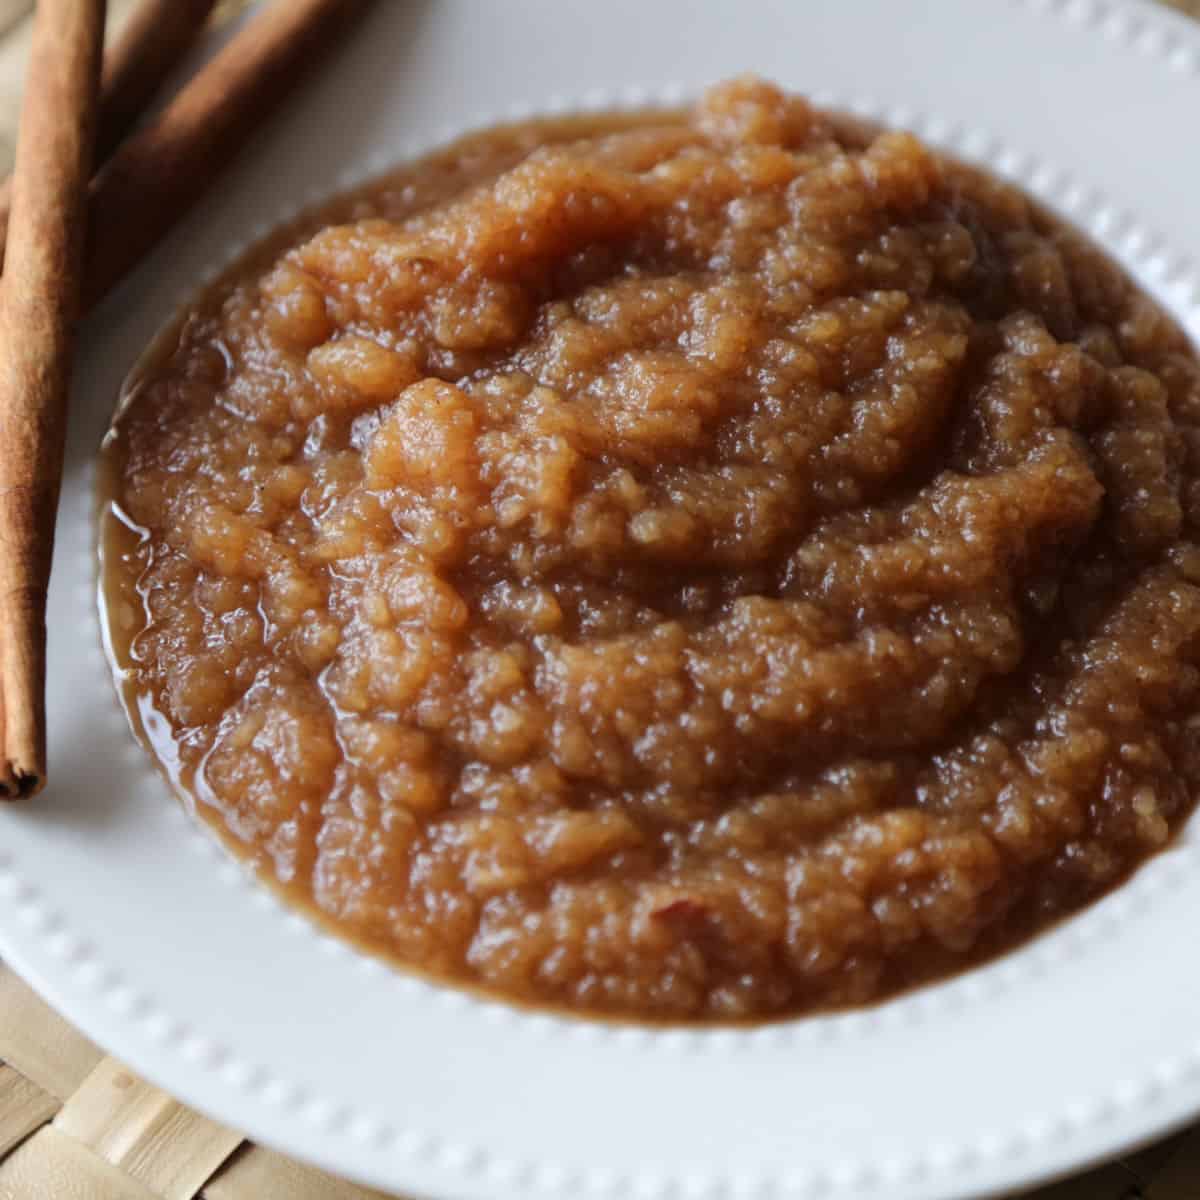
column 706, row 565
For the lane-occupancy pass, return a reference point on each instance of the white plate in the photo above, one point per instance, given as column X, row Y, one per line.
column 134, row 924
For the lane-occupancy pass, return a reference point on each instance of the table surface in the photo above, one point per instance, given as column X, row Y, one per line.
column 68, row 1113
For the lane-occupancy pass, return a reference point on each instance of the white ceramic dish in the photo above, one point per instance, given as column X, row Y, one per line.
column 137, row 927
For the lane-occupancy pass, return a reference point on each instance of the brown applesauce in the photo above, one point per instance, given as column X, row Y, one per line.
column 696, row 565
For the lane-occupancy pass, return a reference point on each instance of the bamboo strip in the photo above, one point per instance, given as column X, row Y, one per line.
column 255, row 1173
column 52, row 1166
column 155, row 1140
column 24, row 1107
column 38, row 1042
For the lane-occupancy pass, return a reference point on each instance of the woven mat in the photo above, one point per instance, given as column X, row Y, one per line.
column 76, row 1124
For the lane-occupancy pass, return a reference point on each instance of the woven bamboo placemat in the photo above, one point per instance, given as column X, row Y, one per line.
column 77, row 1125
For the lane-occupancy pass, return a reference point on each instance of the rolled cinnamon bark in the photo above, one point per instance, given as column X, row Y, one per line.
column 161, row 171
column 151, row 180
column 39, row 299
column 152, row 42
column 154, row 39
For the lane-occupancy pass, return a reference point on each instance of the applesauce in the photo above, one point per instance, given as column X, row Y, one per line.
column 705, row 565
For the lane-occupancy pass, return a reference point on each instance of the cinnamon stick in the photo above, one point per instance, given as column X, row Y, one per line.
column 161, row 171
column 39, row 297
column 149, row 183
column 153, row 41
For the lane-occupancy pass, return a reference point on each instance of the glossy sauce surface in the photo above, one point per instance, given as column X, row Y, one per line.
column 703, row 566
